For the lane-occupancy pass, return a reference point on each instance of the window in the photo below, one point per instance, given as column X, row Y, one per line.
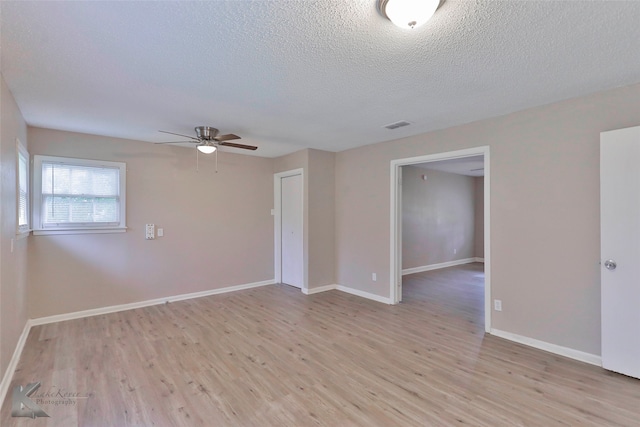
column 78, row 196
column 22, row 189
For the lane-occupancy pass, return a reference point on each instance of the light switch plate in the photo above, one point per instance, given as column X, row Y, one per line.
column 150, row 232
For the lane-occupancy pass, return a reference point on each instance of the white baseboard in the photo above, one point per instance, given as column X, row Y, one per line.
column 319, row 289
column 348, row 290
column 364, row 294
column 147, row 303
column 477, row 259
column 13, row 363
column 440, row 265
column 551, row 348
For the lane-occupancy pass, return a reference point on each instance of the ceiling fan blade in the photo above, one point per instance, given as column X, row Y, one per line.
column 227, row 137
column 179, row 134
column 231, row 144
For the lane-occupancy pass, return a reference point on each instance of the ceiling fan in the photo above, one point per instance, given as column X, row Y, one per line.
column 208, row 140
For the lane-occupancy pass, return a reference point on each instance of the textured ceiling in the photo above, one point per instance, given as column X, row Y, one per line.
column 286, row 74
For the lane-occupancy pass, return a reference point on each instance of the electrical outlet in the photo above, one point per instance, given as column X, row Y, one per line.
column 374, row 276
column 497, row 305
column 150, row 232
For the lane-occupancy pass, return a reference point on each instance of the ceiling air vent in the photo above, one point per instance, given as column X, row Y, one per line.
column 397, row 125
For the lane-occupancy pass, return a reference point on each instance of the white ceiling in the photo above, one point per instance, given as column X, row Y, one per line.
column 287, row 74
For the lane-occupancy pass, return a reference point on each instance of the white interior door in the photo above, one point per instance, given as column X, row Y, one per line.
column 620, row 249
column 291, row 230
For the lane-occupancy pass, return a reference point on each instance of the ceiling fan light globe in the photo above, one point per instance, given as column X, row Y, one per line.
column 206, row 149
column 408, row 13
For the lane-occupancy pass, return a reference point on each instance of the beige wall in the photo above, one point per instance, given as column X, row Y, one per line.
column 297, row 160
column 319, row 211
column 13, row 265
column 544, row 212
column 321, row 218
column 478, row 228
column 218, row 228
column 437, row 217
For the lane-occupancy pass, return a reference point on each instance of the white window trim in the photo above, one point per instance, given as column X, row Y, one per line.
column 22, row 231
column 39, row 230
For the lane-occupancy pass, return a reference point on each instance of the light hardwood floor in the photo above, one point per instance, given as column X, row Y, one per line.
column 272, row 356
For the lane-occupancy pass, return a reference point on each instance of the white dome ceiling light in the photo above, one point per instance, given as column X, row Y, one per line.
column 206, row 148
column 408, row 13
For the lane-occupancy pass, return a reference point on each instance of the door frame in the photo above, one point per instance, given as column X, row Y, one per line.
column 277, row 223
column 395, row 281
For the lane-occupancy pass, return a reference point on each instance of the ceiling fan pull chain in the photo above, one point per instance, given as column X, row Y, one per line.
column 197, row 158
column 216, row 161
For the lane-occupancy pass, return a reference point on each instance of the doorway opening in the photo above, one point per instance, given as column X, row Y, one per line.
column 474, row 158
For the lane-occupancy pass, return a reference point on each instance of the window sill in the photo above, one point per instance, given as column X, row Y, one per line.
column 105, row 230
column 23, row 234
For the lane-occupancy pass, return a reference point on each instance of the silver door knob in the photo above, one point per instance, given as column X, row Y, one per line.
column 610, row 264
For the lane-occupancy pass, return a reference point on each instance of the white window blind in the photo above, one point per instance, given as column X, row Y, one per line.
column 80, row 194
column 73, row 194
